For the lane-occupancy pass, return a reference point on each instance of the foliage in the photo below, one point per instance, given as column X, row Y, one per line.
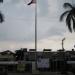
column 70, row 16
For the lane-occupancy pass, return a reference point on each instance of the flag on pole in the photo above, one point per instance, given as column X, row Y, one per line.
column 32, row 1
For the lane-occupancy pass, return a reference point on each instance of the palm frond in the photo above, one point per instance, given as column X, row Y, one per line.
column 63, row 15
column 1, row 1
column 1, row 17
column 73, row 11
column 70, row 16
column 67, row 5
column 73, row 23
column 68, row 22
column 74, row 26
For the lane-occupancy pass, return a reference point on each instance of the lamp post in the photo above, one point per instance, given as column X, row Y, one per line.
column 63, row 43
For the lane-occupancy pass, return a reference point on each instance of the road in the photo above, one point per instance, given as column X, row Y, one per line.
column 42, row 73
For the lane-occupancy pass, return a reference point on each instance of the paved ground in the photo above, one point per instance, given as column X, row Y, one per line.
column 41, row 73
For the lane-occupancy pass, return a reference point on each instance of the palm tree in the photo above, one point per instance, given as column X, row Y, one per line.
column 1, row 15
column 1, row 1
column 70, row 16
column 1, row 18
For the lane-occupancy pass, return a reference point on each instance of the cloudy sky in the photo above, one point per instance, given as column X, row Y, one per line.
column 18, row 29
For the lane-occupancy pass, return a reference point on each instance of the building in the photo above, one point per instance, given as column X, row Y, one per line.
column 28, row 61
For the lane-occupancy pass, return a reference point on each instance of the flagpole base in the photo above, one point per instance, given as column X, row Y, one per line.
column 34, row 70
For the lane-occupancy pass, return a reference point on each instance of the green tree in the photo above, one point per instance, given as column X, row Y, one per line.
column 70, row 16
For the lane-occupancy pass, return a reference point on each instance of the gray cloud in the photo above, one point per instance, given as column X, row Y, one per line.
column 43, row 7
column 19, row 20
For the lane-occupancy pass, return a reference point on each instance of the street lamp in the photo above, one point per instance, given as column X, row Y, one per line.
column 63, row 43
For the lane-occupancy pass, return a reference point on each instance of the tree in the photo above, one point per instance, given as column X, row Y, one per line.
column 70, row 16
column 19, row 54
column 1, row 1
column 1, row 15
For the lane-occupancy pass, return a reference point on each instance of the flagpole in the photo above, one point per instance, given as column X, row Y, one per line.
column 35, row 1
column 36, row 36
column 36, row 26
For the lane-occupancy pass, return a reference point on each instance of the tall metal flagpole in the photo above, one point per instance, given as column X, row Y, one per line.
column 36, row 26
column 36, row 32
column 35, row 1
